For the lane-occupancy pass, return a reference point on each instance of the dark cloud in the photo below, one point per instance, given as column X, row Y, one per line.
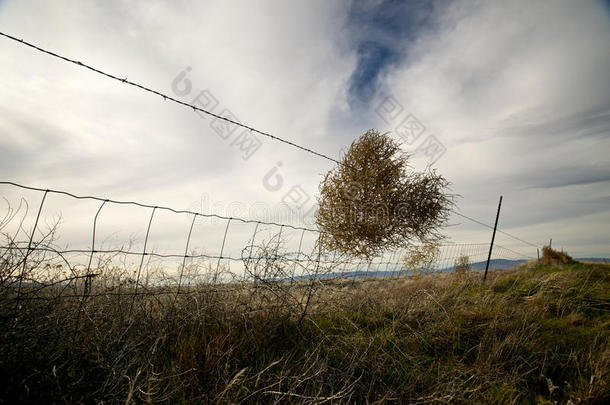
column 566, row 176
column 591, row 124
column 381, row 32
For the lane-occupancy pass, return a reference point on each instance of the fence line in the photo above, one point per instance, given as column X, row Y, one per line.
column 154, row 206
column 42, row 270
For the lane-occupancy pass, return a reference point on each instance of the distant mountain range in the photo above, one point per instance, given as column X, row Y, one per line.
column 479, row 266
column 495, row 264
column 594, row 259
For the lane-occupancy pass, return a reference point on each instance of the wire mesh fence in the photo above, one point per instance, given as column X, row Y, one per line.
column 109, row 247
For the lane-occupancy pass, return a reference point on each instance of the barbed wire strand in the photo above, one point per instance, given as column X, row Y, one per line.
column 166, row 97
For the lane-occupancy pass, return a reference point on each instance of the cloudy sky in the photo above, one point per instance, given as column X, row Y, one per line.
column 504, row 98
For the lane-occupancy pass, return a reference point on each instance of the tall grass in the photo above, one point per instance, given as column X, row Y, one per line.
column 538, row 334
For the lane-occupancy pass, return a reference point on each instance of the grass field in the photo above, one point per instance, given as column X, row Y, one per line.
column 536, row 334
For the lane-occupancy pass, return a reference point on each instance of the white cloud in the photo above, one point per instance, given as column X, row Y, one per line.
column 518, row 92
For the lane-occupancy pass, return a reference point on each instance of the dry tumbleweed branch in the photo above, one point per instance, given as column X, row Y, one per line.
column 370, row 202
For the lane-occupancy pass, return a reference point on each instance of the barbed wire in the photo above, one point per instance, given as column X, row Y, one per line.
column 497, row 230
column 196, row 108
column 166, row 97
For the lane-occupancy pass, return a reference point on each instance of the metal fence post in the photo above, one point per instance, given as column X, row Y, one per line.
column 493, row 236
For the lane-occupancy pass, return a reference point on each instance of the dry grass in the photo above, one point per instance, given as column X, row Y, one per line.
column 539, row 334
column 554, row 257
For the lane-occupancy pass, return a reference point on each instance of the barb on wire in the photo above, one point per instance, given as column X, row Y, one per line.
column 166, row 97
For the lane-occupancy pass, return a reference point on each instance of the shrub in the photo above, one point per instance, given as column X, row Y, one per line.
column 462, row 264
column 370, row 202
column 553, row 257
column 422, row 257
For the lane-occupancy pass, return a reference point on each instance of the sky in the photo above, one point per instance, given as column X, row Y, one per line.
column 506, row 98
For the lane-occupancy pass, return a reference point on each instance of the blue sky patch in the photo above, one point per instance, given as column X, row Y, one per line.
column 381, row 32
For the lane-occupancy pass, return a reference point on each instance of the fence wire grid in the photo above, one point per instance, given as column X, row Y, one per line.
column 176, row 250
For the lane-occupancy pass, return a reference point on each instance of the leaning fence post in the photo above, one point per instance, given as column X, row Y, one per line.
column 222, row 248
column 493, row 236
column 186, row 252
column 311, row 286
column 88, row 278
column 296, row 260
column 27, row 253
column 88, row 282
column 171, row 325
column 249, row 260
column 137, row 282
